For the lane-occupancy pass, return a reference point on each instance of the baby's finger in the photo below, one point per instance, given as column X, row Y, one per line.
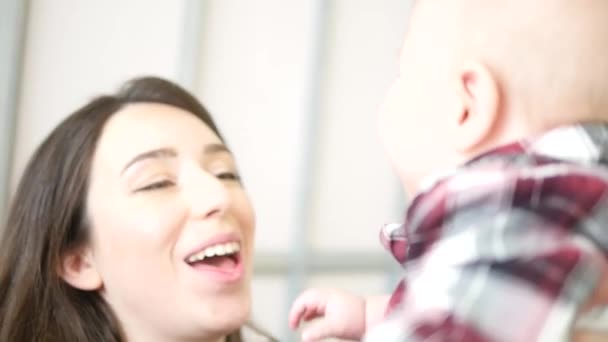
column 301, row 305
column 309, row 313
column 295, row 315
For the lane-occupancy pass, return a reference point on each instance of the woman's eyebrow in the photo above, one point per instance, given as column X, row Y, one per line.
column 152, row 154
column 216, row 148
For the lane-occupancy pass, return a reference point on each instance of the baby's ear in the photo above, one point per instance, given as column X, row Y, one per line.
column 78, row 269
column 479, row 92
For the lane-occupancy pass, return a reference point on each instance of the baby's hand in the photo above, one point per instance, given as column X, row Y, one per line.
column 341, row 315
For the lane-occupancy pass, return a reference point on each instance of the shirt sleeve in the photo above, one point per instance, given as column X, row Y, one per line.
column 393, row 239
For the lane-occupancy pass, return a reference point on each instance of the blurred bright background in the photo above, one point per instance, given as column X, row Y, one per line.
column 294, row 86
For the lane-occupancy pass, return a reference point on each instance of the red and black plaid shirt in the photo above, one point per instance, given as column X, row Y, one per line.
column 506, row 248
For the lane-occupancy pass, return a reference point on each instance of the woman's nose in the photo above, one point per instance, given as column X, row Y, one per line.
column 207, row 195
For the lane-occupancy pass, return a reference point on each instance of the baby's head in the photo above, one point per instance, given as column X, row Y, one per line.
column 475, row 74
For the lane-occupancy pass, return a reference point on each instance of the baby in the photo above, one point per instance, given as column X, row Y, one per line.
column 508, row 100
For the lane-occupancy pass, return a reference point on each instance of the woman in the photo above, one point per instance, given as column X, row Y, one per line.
column 130, row 224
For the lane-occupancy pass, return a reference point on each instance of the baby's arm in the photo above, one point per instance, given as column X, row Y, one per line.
column 340, row 314
column 375, row 308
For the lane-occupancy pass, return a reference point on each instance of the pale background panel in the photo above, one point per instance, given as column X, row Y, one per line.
column 355, row 190
column 256, row 66
column 269, row 293
column 76, row 49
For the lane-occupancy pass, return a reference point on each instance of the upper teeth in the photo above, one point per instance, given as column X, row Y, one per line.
column 219, row 250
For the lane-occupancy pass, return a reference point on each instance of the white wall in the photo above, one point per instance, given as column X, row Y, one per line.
column 294, row 86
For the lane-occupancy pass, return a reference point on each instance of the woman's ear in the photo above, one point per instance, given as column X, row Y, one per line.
column 480, row 96
column 78, row 269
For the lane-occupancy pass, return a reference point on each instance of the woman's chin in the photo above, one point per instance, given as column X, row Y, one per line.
column 226, row 314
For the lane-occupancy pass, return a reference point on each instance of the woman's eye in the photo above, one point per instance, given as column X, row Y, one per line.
column 228, row 176
column 156, row 185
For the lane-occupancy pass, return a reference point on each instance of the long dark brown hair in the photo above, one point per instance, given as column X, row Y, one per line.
column 47, row 219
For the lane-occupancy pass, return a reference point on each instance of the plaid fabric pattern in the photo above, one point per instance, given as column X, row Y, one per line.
column 506, row 248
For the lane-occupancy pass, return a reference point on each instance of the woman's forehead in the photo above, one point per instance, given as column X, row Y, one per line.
column 144, row 127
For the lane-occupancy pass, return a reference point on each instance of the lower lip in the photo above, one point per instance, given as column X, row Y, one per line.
column 221, row 275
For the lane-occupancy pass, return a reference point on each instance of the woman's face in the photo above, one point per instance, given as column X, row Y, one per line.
column 172, row 227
